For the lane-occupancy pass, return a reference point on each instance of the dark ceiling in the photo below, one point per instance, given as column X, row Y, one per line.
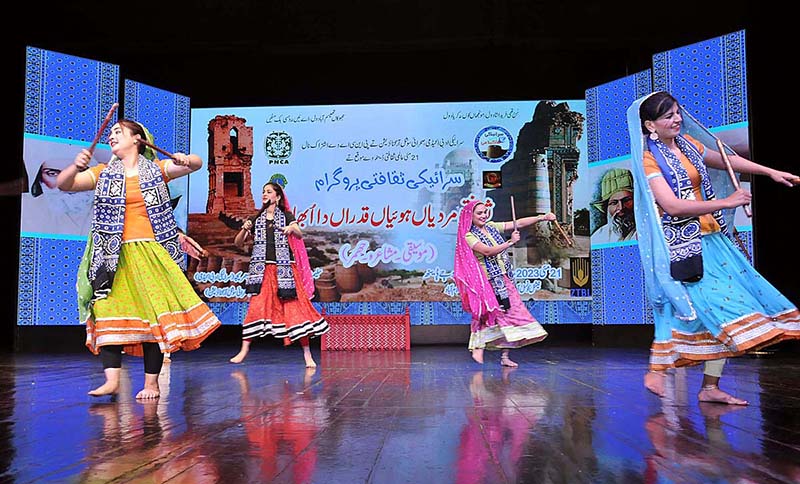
column 252, row 52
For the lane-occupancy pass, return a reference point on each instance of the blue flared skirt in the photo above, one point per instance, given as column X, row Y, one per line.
column 737, row 311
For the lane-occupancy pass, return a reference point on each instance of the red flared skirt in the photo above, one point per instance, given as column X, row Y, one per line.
column 287, row 319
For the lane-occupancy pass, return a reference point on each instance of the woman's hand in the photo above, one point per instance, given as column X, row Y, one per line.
column 82, row 160
column 514, row 237
column 191, row 247
column 784, row 178
column 247, row 225
column 292, row 228
column 738, row 198
column 180, row 159
column 549, row 217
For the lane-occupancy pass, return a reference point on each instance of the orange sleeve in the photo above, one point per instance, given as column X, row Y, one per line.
column 163, row 165
column 651, row 168
column 94, row 171
column 700, row 146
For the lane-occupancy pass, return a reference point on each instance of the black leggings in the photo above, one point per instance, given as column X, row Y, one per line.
column 153, row 359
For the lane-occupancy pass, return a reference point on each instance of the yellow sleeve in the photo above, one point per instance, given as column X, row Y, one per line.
column 500, row 226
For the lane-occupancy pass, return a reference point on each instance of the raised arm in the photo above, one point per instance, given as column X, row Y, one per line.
column 677, row 207
column 488, row 251
column 181, row 165
column 75, row 178
column 243, row 234
column 743, row 165
column 528, row 221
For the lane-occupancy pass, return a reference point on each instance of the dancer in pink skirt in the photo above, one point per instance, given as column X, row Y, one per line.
column 484, row 277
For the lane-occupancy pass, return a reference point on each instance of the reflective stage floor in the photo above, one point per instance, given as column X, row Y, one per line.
column 566, row 415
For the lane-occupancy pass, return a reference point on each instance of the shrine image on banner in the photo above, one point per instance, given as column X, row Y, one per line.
column 377, row 190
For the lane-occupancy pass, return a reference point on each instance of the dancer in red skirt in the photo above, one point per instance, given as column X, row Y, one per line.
column 279, row 278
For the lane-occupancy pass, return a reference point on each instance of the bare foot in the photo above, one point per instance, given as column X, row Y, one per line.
column 506, row 361
column 712, row 393
column 107, row 388
column 477, row 355
column 148, row 393
column 654, row 381
column 239, row 356
column 310, row 363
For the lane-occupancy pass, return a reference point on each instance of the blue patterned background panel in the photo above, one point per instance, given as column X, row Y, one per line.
column 606, row 122
column 66, row 96
column 709, row 78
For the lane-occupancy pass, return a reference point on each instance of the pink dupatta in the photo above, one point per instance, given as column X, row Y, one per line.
column 477, row 295
column 301, row 258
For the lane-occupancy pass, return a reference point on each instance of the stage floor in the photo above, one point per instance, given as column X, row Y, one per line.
column 566, row 415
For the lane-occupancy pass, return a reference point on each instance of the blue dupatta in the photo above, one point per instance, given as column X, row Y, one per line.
column 662, row 288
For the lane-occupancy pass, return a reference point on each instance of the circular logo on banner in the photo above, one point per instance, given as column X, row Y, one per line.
column 494, row 144
column 278, row 144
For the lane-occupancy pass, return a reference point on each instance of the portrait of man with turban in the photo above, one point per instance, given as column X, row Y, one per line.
column 616, row 202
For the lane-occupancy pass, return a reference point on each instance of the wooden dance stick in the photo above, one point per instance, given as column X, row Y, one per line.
column 731, row 174
column 160, row 150
column 513, row 213
column 735, row 182
column 721, row 149
column 103, row 127
column 741, row 243
column 514, row 222
column 561, row 231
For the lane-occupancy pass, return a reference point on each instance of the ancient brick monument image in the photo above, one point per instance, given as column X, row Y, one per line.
column 230, row 202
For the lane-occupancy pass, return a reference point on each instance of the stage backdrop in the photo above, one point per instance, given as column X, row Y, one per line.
column 377, row 190
column 709, row 79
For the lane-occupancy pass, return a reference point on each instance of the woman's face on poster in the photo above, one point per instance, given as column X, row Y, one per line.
column 50, row 174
